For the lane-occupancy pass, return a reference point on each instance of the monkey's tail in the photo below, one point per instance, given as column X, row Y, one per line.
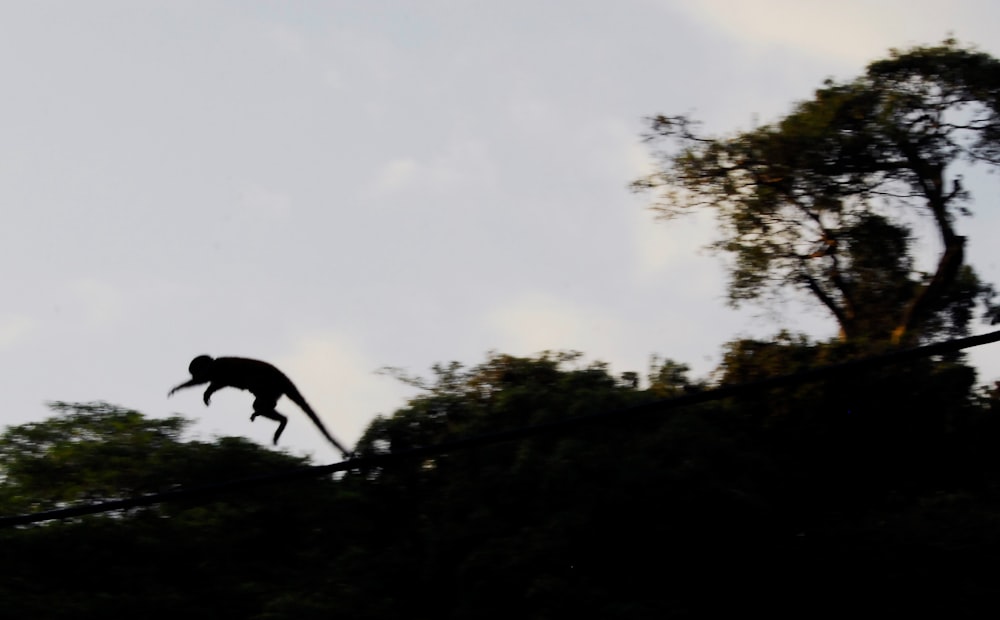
column 297, row 398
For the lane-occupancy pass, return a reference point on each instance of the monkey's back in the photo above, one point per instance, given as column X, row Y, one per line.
column 253, row 375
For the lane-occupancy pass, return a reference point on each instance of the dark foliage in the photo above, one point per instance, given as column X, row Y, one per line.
column 878, row 490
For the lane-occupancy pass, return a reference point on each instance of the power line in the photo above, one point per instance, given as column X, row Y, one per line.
column 565, row 425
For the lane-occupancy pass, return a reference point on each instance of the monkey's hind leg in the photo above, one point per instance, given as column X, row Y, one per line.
column 267, row 410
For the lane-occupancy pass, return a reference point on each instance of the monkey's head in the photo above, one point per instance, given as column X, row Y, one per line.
column 201, row 366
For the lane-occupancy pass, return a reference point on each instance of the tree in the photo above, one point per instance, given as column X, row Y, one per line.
column 725, row 507
column 93, row 452
column 230, row 555
column 819, row 201
column 567, row 522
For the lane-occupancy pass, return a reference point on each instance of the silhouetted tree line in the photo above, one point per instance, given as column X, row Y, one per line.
column 880, row 490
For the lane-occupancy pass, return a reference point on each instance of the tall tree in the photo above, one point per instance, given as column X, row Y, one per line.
column 820, row 200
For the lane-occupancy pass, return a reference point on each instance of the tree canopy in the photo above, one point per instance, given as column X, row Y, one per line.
column 726, row 507
column 820, row 200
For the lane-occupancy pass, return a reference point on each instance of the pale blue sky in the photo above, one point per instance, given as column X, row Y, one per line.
column 338, row 186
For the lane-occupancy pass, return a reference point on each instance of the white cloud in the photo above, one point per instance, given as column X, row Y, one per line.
column 334, row 78
column 676, row 246
column 261, row 201
column 14, row 328
column 464, row 165
column 286, row 42
column 337, row 378
column 855, row 31
column 638, row 158
column 99, row 302
column 395, row 176
column 537, row 322
column 530, row 113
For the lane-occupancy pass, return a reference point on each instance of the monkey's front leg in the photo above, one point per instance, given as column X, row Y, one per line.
column 189, row 383
column 211, row 389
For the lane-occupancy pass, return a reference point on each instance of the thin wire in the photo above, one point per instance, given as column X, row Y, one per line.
column 380, row 460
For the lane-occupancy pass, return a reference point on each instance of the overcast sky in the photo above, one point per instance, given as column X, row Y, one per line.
column 339, row 186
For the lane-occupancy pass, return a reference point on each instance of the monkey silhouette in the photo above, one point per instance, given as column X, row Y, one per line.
column 261, row 379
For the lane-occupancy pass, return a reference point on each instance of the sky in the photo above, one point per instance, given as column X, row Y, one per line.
column 339, row 186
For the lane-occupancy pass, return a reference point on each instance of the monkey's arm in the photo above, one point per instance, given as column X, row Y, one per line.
column 189, row 383
column 212, row 388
